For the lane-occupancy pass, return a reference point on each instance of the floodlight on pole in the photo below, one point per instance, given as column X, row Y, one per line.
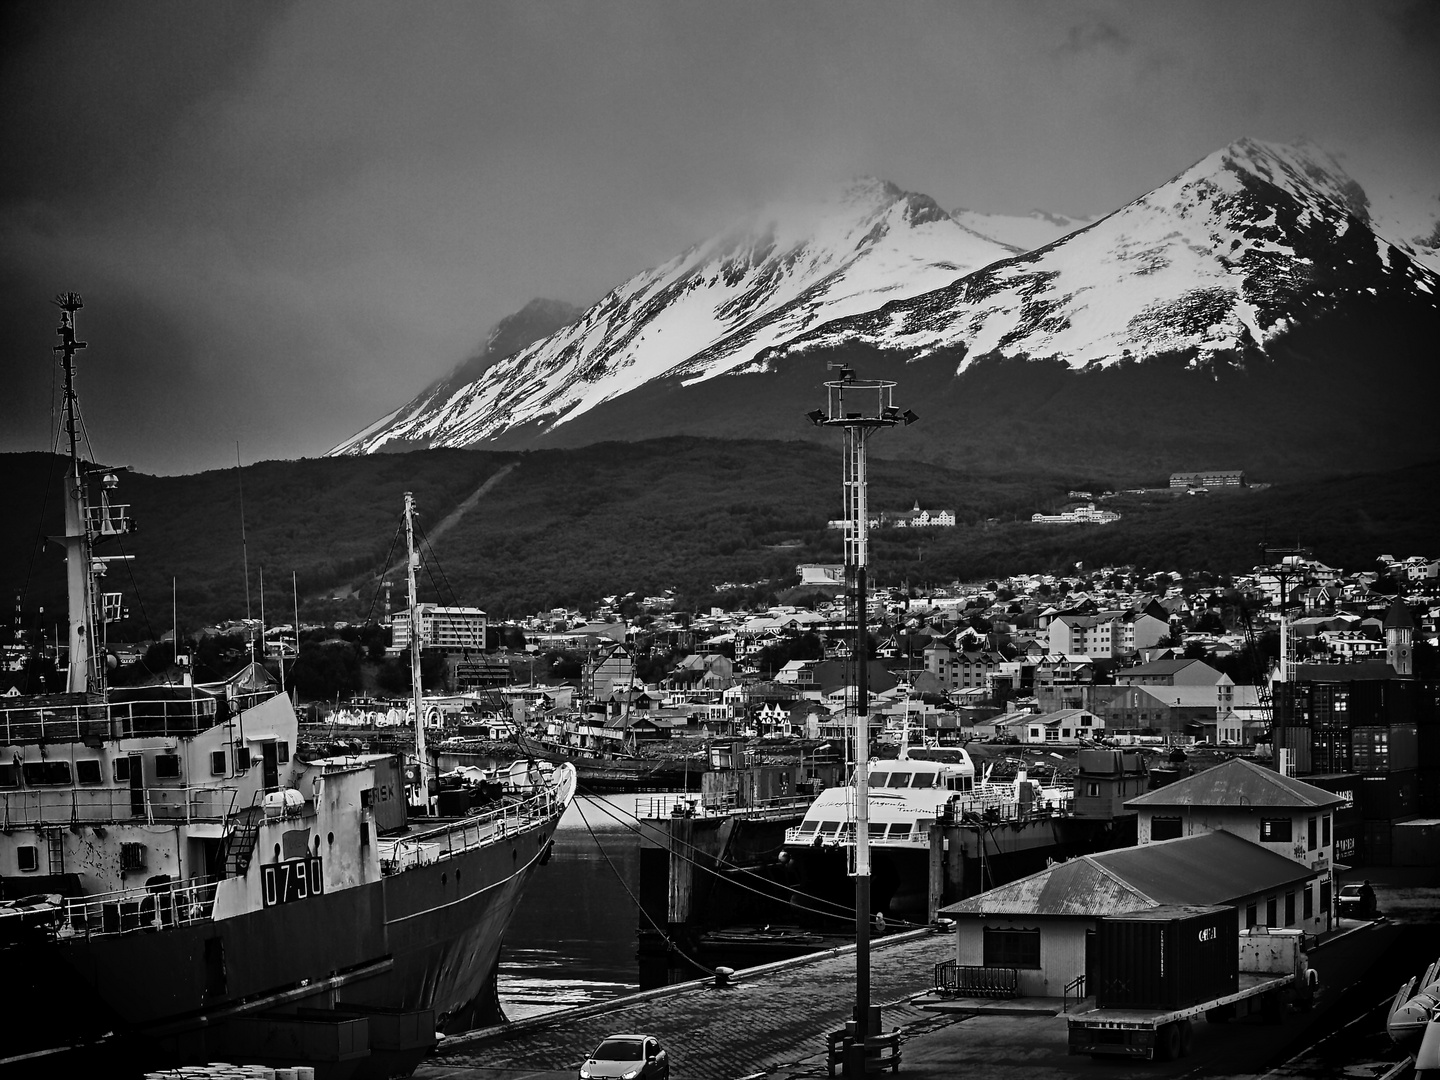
column 859, row 407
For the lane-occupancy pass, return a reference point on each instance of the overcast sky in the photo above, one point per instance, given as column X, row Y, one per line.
column 286, row 219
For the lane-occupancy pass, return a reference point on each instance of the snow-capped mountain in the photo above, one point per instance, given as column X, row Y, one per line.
column 707, row 312
column 1221, row 260
column 1255, row 252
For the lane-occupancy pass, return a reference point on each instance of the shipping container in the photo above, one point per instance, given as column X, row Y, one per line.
column 1415, row 843
column 1167, row 957
column 1390, row 796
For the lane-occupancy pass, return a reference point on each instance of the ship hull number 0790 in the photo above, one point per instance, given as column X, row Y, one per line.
column 293, row 879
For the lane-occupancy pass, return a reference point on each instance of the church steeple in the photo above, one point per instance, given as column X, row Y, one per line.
column 1399, row 630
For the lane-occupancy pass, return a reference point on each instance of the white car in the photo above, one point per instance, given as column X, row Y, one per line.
column 627, row 1057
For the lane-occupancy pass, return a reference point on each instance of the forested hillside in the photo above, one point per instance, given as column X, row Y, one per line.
column 566, row 527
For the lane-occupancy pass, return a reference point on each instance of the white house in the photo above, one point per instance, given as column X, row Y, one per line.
column 1063, row 726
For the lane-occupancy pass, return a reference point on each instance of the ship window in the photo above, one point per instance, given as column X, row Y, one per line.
column 829, row 828
column 242, row 758
column 87, row 771
column 9, row 776
column 900, row 779
column 217, row 762
column 808, row 827
column 900, row 831
column 877, row 830
column 27, row 858
column 122, row 770
column 282, row 752
column 167, row 766
column 46, row 773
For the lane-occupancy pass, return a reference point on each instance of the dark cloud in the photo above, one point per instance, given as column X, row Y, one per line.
column 1093, row 35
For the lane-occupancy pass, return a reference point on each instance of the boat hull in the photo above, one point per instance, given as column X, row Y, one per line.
column 425, row 938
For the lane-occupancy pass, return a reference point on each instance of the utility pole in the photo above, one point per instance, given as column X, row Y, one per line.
column 859, row 407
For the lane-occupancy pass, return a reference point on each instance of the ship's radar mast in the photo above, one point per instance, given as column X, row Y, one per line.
column 84, row 526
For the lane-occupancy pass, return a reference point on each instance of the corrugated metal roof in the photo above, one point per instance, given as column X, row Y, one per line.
column 1212, row 868
column 1237, row 783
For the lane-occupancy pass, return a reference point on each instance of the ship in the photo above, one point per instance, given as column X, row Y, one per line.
column 905, row 796
column 180, row 885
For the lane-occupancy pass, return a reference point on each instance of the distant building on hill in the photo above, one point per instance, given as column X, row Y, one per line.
column 1086, row 514
column 1208, row 478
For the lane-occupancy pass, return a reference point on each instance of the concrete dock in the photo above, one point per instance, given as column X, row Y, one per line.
column 772, row 1022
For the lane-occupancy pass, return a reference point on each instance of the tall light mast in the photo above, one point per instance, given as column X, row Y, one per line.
column 859, row 407
column 412, row 562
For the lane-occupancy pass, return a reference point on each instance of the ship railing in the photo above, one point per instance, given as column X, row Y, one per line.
column 52, row 723
column 71, row 805
column 446, row 841
column 161, row 905
column 656, row 807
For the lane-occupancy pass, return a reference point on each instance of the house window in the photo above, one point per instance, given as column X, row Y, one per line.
column 1325, row 896
column 1166, row 828
column 1311, row 834
column 87, row 771
column 46, row 773
column 27, row 858
column 1092, row 789
column 1289, row 909
column 1307, row 903
column 1325, row 831
column 217, row 762
column 1249, row 916
column 167, row 766
column 1270, row 912
column 1274, row 830
column 1012, row 948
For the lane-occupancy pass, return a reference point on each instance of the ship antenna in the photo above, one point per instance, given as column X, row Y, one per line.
column 412, row 560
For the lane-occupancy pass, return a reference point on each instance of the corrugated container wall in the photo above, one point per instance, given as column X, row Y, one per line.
column 1167, row 957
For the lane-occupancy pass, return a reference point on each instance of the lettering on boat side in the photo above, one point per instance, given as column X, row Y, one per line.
column 293, row 879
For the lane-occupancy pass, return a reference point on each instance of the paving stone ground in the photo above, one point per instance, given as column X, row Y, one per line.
column 762, row 1022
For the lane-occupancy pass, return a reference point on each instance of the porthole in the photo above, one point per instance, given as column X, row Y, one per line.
column 329, row 838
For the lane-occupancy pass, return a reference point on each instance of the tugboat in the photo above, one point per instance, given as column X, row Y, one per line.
column 178, row 885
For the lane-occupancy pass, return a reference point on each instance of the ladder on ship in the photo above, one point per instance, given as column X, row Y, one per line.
column 55, row 845
column 241, row 840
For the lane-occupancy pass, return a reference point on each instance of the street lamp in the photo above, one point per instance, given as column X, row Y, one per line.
column 859, row 407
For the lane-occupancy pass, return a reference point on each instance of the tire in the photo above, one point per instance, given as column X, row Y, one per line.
column 1167, row 1043
column 1187, row 1034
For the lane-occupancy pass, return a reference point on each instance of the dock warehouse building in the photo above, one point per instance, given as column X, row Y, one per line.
column 1043, row 926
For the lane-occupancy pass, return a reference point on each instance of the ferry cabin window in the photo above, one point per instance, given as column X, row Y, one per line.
column 1274, row 830
column 829, row 828
column 1012, row 948
column 900, row 779
column 217, row 763
column 808, row 827
column 900, row 831
column 167, row 766
column 46, row 773
column 1165, row 828
column 27, row 858
column 87, row 771
column 877, row 830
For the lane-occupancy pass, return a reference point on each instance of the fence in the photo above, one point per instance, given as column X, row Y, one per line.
column 407, row 852
column 153, row 907
column 973, row 980
column 75, row 806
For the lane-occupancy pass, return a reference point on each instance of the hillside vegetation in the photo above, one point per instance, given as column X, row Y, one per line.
column 566, row 527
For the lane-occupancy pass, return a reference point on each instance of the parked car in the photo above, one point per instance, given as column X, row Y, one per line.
column 627, row 1057
column 1356, row 901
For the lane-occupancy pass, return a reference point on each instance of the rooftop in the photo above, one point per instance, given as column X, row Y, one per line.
column 1237, row 783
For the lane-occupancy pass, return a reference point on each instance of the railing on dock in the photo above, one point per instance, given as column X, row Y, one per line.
column 976, row 980
column 152, row 907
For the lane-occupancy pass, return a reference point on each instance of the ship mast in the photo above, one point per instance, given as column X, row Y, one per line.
column 412, row 561
column 78, row 555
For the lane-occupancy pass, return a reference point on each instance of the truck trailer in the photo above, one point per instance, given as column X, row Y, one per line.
column 1271, row 971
